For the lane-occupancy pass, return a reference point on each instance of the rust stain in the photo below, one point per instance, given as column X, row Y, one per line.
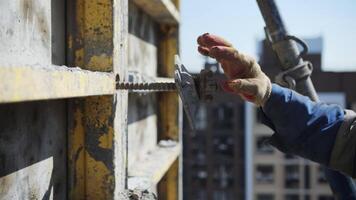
column 91, row 44
column 79, row 55
column 70, row 41
column 43, row 27
column 36, row 16
column 75, row 160
column 99, row 128
column 76, row 154
column 92, row 149
column 101, row 60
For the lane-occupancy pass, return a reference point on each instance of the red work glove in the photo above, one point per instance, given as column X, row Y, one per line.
column 245, row 75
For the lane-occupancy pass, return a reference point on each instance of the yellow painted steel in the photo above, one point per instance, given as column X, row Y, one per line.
column 92, row 140
column 168, row 102
column 92, row 147
column 168, row 188
column 93, row 29
column 176, row 4
column 28, row 83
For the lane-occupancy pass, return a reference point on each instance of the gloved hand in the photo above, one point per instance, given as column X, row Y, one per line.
column 245, row 75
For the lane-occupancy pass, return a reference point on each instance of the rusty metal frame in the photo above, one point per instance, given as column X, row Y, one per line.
column 97, row 146
column 97, row 32
column 170, row 186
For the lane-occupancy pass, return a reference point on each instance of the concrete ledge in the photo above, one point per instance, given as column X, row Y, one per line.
column 163, row 11
column 156, row 163
column 28, row 83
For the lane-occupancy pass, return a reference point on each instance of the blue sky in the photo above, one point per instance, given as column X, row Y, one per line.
column 240, row 22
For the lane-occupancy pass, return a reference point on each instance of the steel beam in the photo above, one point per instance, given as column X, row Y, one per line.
column 169, row 186
column 97, row 32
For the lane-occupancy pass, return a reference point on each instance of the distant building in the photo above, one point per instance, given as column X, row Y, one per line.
column 213, row 154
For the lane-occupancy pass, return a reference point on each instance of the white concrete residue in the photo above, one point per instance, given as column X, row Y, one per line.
column 72, row 69
column 167, row 143
column 25, row 32
column 54, row 68
column 142, row 135
column 141, row 188
column 139, row 183
column 32, row 182
column 142, row 56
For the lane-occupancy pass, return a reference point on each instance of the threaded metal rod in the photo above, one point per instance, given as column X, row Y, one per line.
column 159, row 86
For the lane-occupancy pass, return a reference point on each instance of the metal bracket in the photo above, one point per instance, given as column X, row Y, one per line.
column 288, row 77
column 276, row 37
column 194, row 89
column 187, row 90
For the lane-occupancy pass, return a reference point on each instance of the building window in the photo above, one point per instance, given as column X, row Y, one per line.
column 291, row 176
column 291, row 197
column 201, row 195
column 200, row 177
column 223, row 195
column 262, row 146
column 265, row 197
column 325, row 197
column 307, row 177
column 200, row 158
column 224, row 145
column 223, row 177
column 264, row 174
column 223, row 116
column 289, row 156
column 201, row 117
column 197, row 142
column 321, row 176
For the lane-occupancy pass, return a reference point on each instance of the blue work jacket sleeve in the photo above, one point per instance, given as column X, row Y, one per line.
column 302, row 127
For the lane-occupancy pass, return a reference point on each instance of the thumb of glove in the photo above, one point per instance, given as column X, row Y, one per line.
column 255, row 90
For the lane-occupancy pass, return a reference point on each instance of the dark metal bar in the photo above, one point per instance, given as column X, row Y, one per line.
column 286, row 48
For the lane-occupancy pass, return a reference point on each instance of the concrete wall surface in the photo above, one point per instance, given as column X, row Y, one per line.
column 33, row 150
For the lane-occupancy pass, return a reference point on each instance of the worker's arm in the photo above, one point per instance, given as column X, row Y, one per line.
column 319, row 132
column 316, row 131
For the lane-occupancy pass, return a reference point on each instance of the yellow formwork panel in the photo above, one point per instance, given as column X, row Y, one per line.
column 169, row 186
column 92, row 149
column 168, row 102
column 96, row 142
